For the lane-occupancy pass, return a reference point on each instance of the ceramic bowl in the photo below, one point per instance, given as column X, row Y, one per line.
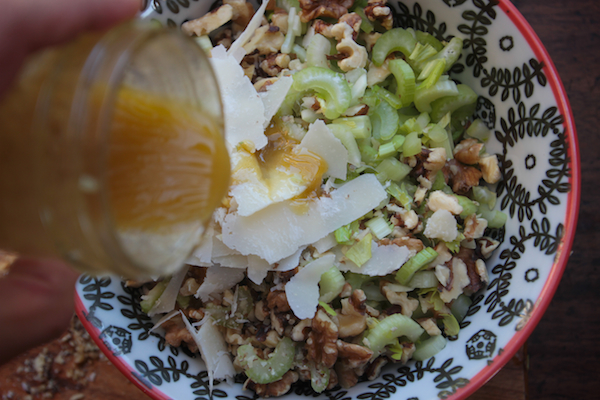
column 523, row 102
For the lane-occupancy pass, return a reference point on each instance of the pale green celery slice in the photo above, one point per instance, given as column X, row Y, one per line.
column 401, row 194
column 183, row 301
column 450, row 52
column 451, row 327
column 420, row 260
column 360, row 126
column 331, row 284
column 420, row 57
column 269, row 370
column 479, row 130
column 424, row 97
column 384, row 120
column 317, row 51
column 387, row 149
column 392, row 169
column 392, row 99
column 300, row 52
column 405, row 81
column 319, row 377
column 379, row 226
column 396, row 39
column 430, row 347
column 469, row 207
column 360, row 252
column 495, row 218
column 412, row 145
column 343, row 235
column 436, row 134
column 390, row 328
column 431, row 73
column 464, row 97
column 330, row 85
column 483, row 195
column 290, row 36
column 423, row 280
column 460, row 307
column 398, row 141
column 366, row 25
column 149, row 299
column 426, row 38
column 345, row 136
column 423, row 120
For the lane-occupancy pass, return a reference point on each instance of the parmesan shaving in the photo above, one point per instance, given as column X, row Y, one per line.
column 277, row 231
column 249, row 31
column 274, row 96
column 164, row 319
column 166, row 301
column 302, row 290
column 384, row 260
column 320, row 141
column 218, row 279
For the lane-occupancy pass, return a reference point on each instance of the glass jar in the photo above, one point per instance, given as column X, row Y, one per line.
column 112, row 153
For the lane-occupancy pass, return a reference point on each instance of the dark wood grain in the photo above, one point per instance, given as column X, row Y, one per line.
column 564, row 349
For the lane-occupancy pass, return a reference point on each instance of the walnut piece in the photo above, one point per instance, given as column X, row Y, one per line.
column 408, row 305
column 353, row 355
column 490, row 169
column 474, row 227
column 311, row 9
column 321, row 343
column 209, row 22
column 267, row 39
column 467, row 151
column 377, row 10
column 176, row 333
column 461, row 177
column 274, row 389
column 277, row 300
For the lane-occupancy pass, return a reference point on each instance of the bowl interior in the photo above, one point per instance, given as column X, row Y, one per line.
column 522, row 101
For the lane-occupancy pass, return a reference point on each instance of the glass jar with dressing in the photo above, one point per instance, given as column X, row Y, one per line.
column 111, row 152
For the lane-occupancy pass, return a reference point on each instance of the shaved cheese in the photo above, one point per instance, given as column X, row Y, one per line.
column 244, row 110
column 250, row 28
column 257, row 269
column 202, row 255
column 291, row 262
column 213, row 350
column 274, row 96
column 164, row 319
column 302, row 290
column 277, row 231
column 384, row 260
column 320, row 141
column 218, row 279
column 327, row 243
column 166, row 301
column 232, row 261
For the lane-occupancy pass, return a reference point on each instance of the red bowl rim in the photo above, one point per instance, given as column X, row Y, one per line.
column 558, row 266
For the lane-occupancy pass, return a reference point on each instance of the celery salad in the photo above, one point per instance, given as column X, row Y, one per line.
column 354, row 232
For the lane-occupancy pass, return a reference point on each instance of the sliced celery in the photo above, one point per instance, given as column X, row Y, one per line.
column 319, row 377
column 360, row 252
column 460, row 307
column 424, row 280
column 398, row 141
column 430, row 347
column 379, row 226
column 426, row 38
column 412, row 145
column 400, row 194
column 183, row 301
column 357, row 281
column 366, row 25
column 436, row 133
column 431, row 73
column 343, row 235
column 454, row 246
column 495, row 218
column 420, row 260
column 425, row 96
column 483, row 195
column 149, row 299
column 384, row 120
column 469, row 207
column 300, row 52
column 392, row 99
column 327, row 308
column 405, row 80
column 465, row 96
column 479, row 130
column 392, row 169
column 317, row 51
column 396, row 39
column 331, row 85
column 360, row 126
column 387, row 150
column 331, row 284
column 451, row 327
column 390, row 328
column 270, row 370
column 290, row 36
column 450, row 52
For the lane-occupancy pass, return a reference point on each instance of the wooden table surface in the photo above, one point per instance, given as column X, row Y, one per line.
column 564, row 351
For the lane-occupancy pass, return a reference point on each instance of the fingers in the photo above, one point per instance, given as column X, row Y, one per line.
column 36, row 304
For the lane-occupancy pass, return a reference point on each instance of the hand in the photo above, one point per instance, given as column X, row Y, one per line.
column 28, row 25
column 36, row 297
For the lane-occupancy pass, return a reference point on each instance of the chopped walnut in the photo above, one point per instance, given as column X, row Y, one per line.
column 277, row 300
column 482, row 270
column 267, row 40
column 413, row 244
column 461, row 177
column 377, row 10
column 269, row 65
column 467, row 151
column 487, row 246
column 435, row 160
column 347, row 378
column 209, row 22
column 351, row 325
column 233, row 336
column 407, row 351
column 346, row 290
column 300, row 331
column 490, row 169
column 430, row 326
column 242, row 13
column 438, row 200
column 408, row 305
column 272, row 339
column 370, row 39
column 311, row 9
column 469, row 258
column 443, row 254
column 374, row 369
column 280, row 20
column 321, row 342
column 261, row 312
column 353, row 355
column 176, row 333
column 274, row 389
column 474, row 227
